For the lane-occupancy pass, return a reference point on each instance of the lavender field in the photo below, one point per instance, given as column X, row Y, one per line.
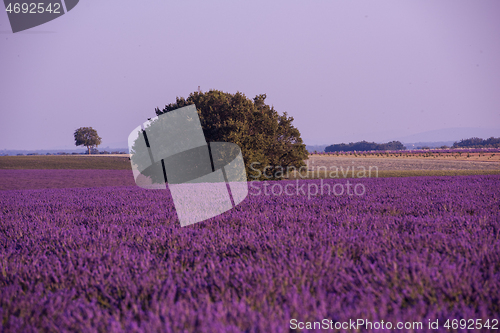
column 115, row 259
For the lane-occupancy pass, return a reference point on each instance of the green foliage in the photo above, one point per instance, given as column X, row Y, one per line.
column 365, row 146
column 477, row 143
column 87, row 136
column 266, row 138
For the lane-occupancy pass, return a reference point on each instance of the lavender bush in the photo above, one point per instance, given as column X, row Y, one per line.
column 116, row 259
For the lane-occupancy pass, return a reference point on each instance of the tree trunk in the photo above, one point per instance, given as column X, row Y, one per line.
column 89, row 149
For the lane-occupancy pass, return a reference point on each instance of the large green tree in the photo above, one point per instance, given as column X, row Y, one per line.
column 269, row 142
column 87, row 136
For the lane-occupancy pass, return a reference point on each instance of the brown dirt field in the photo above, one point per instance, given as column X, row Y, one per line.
column 116, row 162
column 399, row 163
column 324, row 166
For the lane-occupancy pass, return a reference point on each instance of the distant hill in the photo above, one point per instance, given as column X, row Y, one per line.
column 318, row 148
column 432, row 139
column 450, row 135
column 408, row 145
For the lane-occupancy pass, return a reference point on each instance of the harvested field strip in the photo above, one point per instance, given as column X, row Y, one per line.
column 393, row 173
column 322, row 162
column 65, row 162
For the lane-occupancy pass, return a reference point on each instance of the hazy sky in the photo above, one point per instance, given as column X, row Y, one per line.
column 346, row 70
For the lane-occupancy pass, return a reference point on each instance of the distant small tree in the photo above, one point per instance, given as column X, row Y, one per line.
column 87, row 136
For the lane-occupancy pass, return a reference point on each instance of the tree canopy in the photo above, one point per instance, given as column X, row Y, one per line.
column 269, row 142
column 88, row 137
column 365, row 146
column 477, row 143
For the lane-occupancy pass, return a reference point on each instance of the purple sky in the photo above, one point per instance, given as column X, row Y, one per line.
column 345, row 70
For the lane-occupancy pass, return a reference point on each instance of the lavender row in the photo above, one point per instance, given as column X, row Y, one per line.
column 116, row 259
column 20, row 179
